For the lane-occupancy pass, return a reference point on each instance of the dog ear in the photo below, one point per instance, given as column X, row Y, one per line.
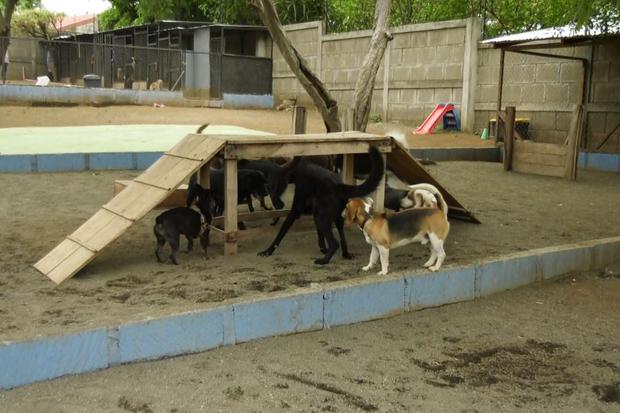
column 369, row 200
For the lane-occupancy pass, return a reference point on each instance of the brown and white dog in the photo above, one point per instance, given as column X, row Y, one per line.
column 384, row 231
column 423, row 195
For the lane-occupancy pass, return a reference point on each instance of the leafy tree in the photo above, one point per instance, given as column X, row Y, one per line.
column 36, row 23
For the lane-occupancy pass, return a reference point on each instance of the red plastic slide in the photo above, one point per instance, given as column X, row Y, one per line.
column 426, row 128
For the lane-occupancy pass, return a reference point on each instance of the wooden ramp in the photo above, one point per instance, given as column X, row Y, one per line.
column 142, row 195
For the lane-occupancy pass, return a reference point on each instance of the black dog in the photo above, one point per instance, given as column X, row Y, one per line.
column 249, row 182
column 276, row 176
column 396, row 199
column 323, row 192
column 171, row 224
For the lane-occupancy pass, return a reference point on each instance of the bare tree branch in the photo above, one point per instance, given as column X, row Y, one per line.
column 362, row 97
column 325, row 103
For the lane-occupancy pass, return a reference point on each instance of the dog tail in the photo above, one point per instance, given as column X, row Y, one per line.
column 377, row 170
column 201, row 128
column 192, row 190
column 433, row 190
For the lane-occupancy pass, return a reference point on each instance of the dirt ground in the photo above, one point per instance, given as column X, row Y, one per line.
column 549, row 347
column 266, row 120
column 125, row 282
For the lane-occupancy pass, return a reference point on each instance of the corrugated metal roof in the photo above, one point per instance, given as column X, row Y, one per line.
column 564, row 32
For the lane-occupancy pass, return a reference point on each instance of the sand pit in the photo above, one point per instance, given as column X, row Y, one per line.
column 126, row 283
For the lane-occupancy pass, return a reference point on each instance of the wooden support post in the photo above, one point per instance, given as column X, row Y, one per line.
column 500, row 85
column 509, row 137
column 348, row 160
column 204, row 177
column 230, row 207
column 299, row 120
column 379, row 195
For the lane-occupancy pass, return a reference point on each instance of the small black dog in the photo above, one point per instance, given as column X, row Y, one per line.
column 396, row 199
column 171, row 224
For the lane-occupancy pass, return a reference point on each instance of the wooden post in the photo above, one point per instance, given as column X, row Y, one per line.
column 348, row 160
column 299, row 120
column 509, row 137
column 379, row 195
column 204, row 176
column 230, row 207
column 500, row 85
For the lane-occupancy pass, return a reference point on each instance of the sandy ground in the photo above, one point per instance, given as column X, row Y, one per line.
column 266, row 120
column 125, row 282
column 551, row 347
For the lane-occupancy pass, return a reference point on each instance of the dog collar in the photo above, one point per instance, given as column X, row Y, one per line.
column 366, row 219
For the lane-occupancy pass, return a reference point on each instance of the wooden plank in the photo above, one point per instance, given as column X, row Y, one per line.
column 100, row 230
column 348, row 169
column 71, row 265
column 536, row 147
column 175, row 199
column 313, row 137
column 540, row 158
column 167, row 172
column 204, row 176
column 409, row 170
column 299, row 120
column 267, row 150
column 509, row 127
column 230, row 207
column 56, row 256
column 529, row 168
column 198, row 147
column 136, row 200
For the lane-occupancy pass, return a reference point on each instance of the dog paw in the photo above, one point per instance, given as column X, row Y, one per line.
column 267, row 253
column 427, row 264
column 434, row 268
column 382, row 273
column 347, row 256
column 366, row 268
column 321, row 261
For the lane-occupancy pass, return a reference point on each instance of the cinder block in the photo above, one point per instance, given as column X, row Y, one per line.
column 426, row 96
column 99, row 161
column 171, row 336
column 61, row 162
column 419, row 39
column 556, row 261
column 16, row 163
column 605, row 253
column 283, row 314
column 50, row 357
column 435, row 72
column 439, row 288
column 535, row 93
column 454, row 71
column 506, row 273
column 570, row 72
column 548, row 72
column 369, row 299
column 556, row 93
column 520, row 74
column 401, row 41
column 442, row 53
column 600, row 71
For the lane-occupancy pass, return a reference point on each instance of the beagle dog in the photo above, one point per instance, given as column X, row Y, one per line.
column 391, row 230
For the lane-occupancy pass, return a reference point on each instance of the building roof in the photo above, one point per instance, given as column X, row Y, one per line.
column 564, row 33
column 70, row 22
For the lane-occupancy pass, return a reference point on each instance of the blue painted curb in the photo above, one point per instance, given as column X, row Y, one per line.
column 64, row 162
column 304, row 309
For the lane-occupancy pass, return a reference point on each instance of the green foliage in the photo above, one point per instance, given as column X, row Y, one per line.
column 501, row 16
column 36, row 23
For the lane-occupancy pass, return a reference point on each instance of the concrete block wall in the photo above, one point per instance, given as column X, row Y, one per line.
column 545, row 91
column 425, row 64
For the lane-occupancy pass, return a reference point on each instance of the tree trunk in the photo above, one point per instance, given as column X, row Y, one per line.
column 362, row 97
column 325, row 103
column 5, row 26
